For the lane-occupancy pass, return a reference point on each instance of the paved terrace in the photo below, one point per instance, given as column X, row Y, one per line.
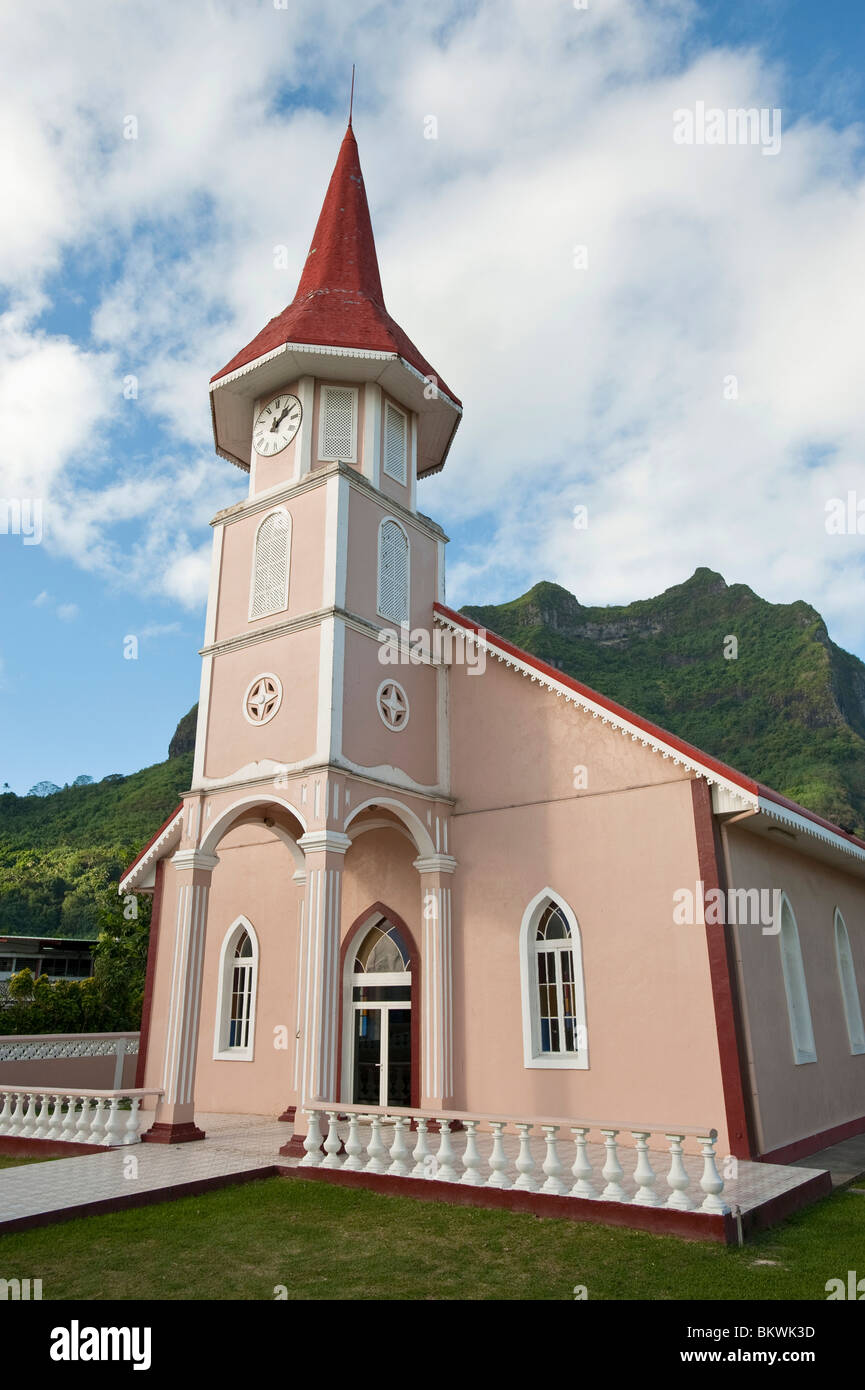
column 242, row 1147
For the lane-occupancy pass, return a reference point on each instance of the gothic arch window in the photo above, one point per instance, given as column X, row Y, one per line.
column 553, row 991
column 796, row 987
column 270, row 559
column 237, row 987
column 849, row 987
column 393, row 572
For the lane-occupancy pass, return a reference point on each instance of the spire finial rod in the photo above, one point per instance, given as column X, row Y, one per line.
column 351, row 98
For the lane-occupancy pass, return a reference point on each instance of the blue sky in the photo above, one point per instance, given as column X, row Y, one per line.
column 153, row 258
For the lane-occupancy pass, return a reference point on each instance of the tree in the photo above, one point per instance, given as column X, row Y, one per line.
column 44, row 789
column 83, row 781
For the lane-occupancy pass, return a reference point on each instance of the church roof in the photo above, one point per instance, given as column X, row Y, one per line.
column 339, row 301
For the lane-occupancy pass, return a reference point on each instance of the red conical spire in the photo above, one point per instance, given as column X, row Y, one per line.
column 342, row 255
column 339, row 301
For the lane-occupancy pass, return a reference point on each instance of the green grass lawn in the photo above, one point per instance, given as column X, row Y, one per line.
column 7, row 1162
column 325, row 1242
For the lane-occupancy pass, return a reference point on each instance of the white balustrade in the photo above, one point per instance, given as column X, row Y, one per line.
column 109, row 1119
column 545, row 1157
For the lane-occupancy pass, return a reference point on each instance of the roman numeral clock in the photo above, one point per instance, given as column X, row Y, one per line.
column 277, row 424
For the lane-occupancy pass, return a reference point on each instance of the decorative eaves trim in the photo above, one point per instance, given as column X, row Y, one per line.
column 170, row 833
column 803, row 823
column 366, row 354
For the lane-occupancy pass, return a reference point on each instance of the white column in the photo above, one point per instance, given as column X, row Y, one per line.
column 175, row 1117
column 437, row 1077
column 319, row 983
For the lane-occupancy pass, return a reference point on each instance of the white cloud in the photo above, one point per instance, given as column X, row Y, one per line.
column 601, row 386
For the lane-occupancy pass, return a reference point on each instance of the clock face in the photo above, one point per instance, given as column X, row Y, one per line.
column 277, row 425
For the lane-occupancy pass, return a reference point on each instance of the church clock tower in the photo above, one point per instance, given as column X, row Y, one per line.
column 335, row 415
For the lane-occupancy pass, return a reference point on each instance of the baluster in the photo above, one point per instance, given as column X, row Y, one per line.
column 498, row 1158
column 17, row 1115
column 28, row 1129
column 131, row 1129
column 677, row 1178
column 97, row 1127
column 552, row 1164
column 582, row 1169
column 445, row 1171
column 6, row 1113
column 471, row 1157
column 312, row 1142
column 41, row 1130
column 424, row 1159
column 525, row 1163
column 376, row 1151
column 612, row 1170
column 332, row 1143
column 399, row 1153
column 711, row 1182
column 82, row 1129
column 353, row 1145
column 68, row 1128
column 644, row 1174
column 54, row 1130
column 114, row 1126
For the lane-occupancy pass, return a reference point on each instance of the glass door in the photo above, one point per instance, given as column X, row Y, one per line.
column 399, row 1057
column 367, row 1057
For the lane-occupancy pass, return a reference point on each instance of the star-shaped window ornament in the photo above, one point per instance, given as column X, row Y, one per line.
column 262, row 699
column 392, row 704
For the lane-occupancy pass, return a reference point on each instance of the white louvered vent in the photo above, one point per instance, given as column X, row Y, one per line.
column 270, row 566
column 393, row 573
column 395, row 429
column 337, row 424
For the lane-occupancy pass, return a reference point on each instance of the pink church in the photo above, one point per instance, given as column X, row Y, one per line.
column 419, row 869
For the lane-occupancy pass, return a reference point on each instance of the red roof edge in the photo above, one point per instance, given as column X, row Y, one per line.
column 152, row 841
column 689, row 749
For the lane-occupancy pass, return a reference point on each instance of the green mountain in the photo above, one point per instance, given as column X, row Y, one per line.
column 788, row 709
column 62, row 855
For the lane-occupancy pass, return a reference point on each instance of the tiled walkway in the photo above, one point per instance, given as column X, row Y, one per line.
column 249, row 1144
column 234, row 1144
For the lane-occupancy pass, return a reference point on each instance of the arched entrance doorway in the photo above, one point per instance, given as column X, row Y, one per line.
column 380, row 1035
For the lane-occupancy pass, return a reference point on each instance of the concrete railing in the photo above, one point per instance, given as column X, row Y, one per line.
column 110, row 1118
column 566, row 1168
column 91, row 1061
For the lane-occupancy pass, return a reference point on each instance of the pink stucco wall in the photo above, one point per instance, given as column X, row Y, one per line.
column 793, row 1100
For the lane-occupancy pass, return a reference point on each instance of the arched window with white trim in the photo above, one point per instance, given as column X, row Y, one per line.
column 795, row 985
column 553, row 991
column 234, row 1038
column 849, row 987
column 269, row 588
column 393, row 572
